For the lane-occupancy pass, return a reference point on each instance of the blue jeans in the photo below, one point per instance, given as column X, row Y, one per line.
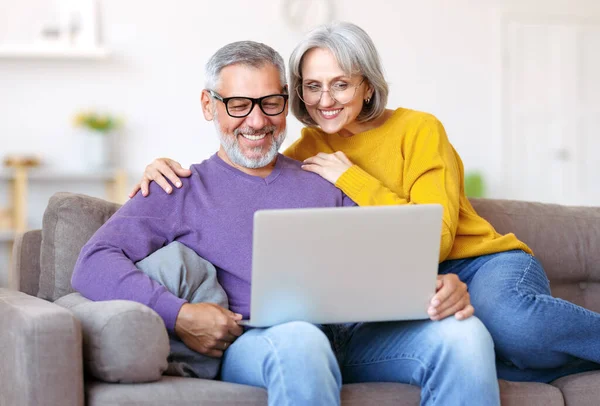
column 537, row 337
column 303, row 364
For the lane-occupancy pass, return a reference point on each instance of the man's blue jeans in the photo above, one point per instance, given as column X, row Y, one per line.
column 303, row 364
column 537, row 337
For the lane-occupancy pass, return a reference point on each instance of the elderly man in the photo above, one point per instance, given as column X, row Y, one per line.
column 298, row 363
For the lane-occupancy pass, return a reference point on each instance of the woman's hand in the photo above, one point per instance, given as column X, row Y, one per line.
column 328, row 166
column 157, row 171
column 451, row 298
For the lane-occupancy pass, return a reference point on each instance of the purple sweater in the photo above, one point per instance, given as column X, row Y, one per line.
column 212, row 214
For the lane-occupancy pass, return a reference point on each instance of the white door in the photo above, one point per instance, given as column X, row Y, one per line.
column 552, row 110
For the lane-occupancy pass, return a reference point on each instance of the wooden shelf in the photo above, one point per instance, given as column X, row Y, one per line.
column 21, row 178
column 7, row 236
column 52, row 52
column 63, row 175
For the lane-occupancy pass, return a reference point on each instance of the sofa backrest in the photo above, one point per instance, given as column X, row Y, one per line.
column 25, row 264
column 566, row 240
column 69, row 222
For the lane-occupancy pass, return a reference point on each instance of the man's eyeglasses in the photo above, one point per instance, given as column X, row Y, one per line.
column 239, row 107
column 341, row 92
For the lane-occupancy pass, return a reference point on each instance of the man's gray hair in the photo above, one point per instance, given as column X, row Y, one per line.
column 355, row 53
column 247, row 53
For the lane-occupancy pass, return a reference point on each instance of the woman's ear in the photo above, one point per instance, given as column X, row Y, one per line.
column 370, row 90
column 207, row 105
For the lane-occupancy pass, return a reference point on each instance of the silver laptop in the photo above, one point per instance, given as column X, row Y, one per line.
column 337, row 265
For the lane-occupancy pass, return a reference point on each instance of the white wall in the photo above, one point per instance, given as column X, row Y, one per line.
column 440, row 56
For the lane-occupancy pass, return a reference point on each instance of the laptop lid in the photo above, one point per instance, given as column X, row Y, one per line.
column 350, row 264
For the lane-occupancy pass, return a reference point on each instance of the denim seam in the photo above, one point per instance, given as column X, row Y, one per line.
column 552, row 300
column 524, row 275
column 566, row 305
column 280, row 369
column 398, row 358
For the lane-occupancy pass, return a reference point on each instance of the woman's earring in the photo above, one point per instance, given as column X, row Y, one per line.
column 367, row 100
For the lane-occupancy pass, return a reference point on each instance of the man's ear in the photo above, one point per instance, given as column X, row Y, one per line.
column 207, row 104
column 287, row 105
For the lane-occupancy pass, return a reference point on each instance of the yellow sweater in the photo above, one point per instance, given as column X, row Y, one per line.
column 409, row 160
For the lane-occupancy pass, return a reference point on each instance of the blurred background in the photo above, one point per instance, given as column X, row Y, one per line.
column 93, row 90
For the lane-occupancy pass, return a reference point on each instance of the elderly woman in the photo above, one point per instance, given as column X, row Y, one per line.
column 379, row 157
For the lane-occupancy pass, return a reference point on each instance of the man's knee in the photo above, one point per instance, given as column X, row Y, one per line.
column 466, row 340
column 300, row 343
column 299, row 336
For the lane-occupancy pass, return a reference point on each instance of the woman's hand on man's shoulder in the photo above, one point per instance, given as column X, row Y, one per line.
column 159, row 171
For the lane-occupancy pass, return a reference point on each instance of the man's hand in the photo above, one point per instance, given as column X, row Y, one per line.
column 207, row 328
column 328, row 166
column 157, row 171
column 451, row 298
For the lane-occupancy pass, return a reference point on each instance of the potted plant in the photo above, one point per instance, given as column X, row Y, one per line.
column 97, row 130
column 474, row 184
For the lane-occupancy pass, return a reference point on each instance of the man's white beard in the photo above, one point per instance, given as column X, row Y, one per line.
column 232, row 148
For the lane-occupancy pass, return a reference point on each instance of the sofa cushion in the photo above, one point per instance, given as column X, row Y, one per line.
column 123, row 341
column 580, row 389
column 202, row 392
column 69, row 222
column 529, row 393
column 175, row 391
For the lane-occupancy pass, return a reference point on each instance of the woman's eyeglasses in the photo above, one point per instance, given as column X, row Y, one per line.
column 341, row 92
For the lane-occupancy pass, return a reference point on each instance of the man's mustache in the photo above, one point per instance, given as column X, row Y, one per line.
column 251, row 131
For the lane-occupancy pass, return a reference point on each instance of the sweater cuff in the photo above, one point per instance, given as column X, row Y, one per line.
column 353, row 181
column 167, row 306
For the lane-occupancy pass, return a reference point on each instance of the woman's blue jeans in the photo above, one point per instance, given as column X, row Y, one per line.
column 537, row 337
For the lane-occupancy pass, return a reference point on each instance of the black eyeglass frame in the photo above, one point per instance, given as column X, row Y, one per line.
column 225, row 101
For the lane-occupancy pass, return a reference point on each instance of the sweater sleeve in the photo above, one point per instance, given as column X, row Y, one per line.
column 366, row 190
column 431, row 174
column 105, row 269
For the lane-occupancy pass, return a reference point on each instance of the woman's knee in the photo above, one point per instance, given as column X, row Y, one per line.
column 509, row 275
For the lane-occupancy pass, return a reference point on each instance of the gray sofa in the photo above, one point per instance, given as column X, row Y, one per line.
column 42, row 344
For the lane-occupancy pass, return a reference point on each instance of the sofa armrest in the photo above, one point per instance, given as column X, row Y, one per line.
column 40, row 349
column 123, row 341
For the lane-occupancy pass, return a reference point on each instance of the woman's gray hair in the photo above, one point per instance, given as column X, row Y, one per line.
column 355, row 53
column 247, row 53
